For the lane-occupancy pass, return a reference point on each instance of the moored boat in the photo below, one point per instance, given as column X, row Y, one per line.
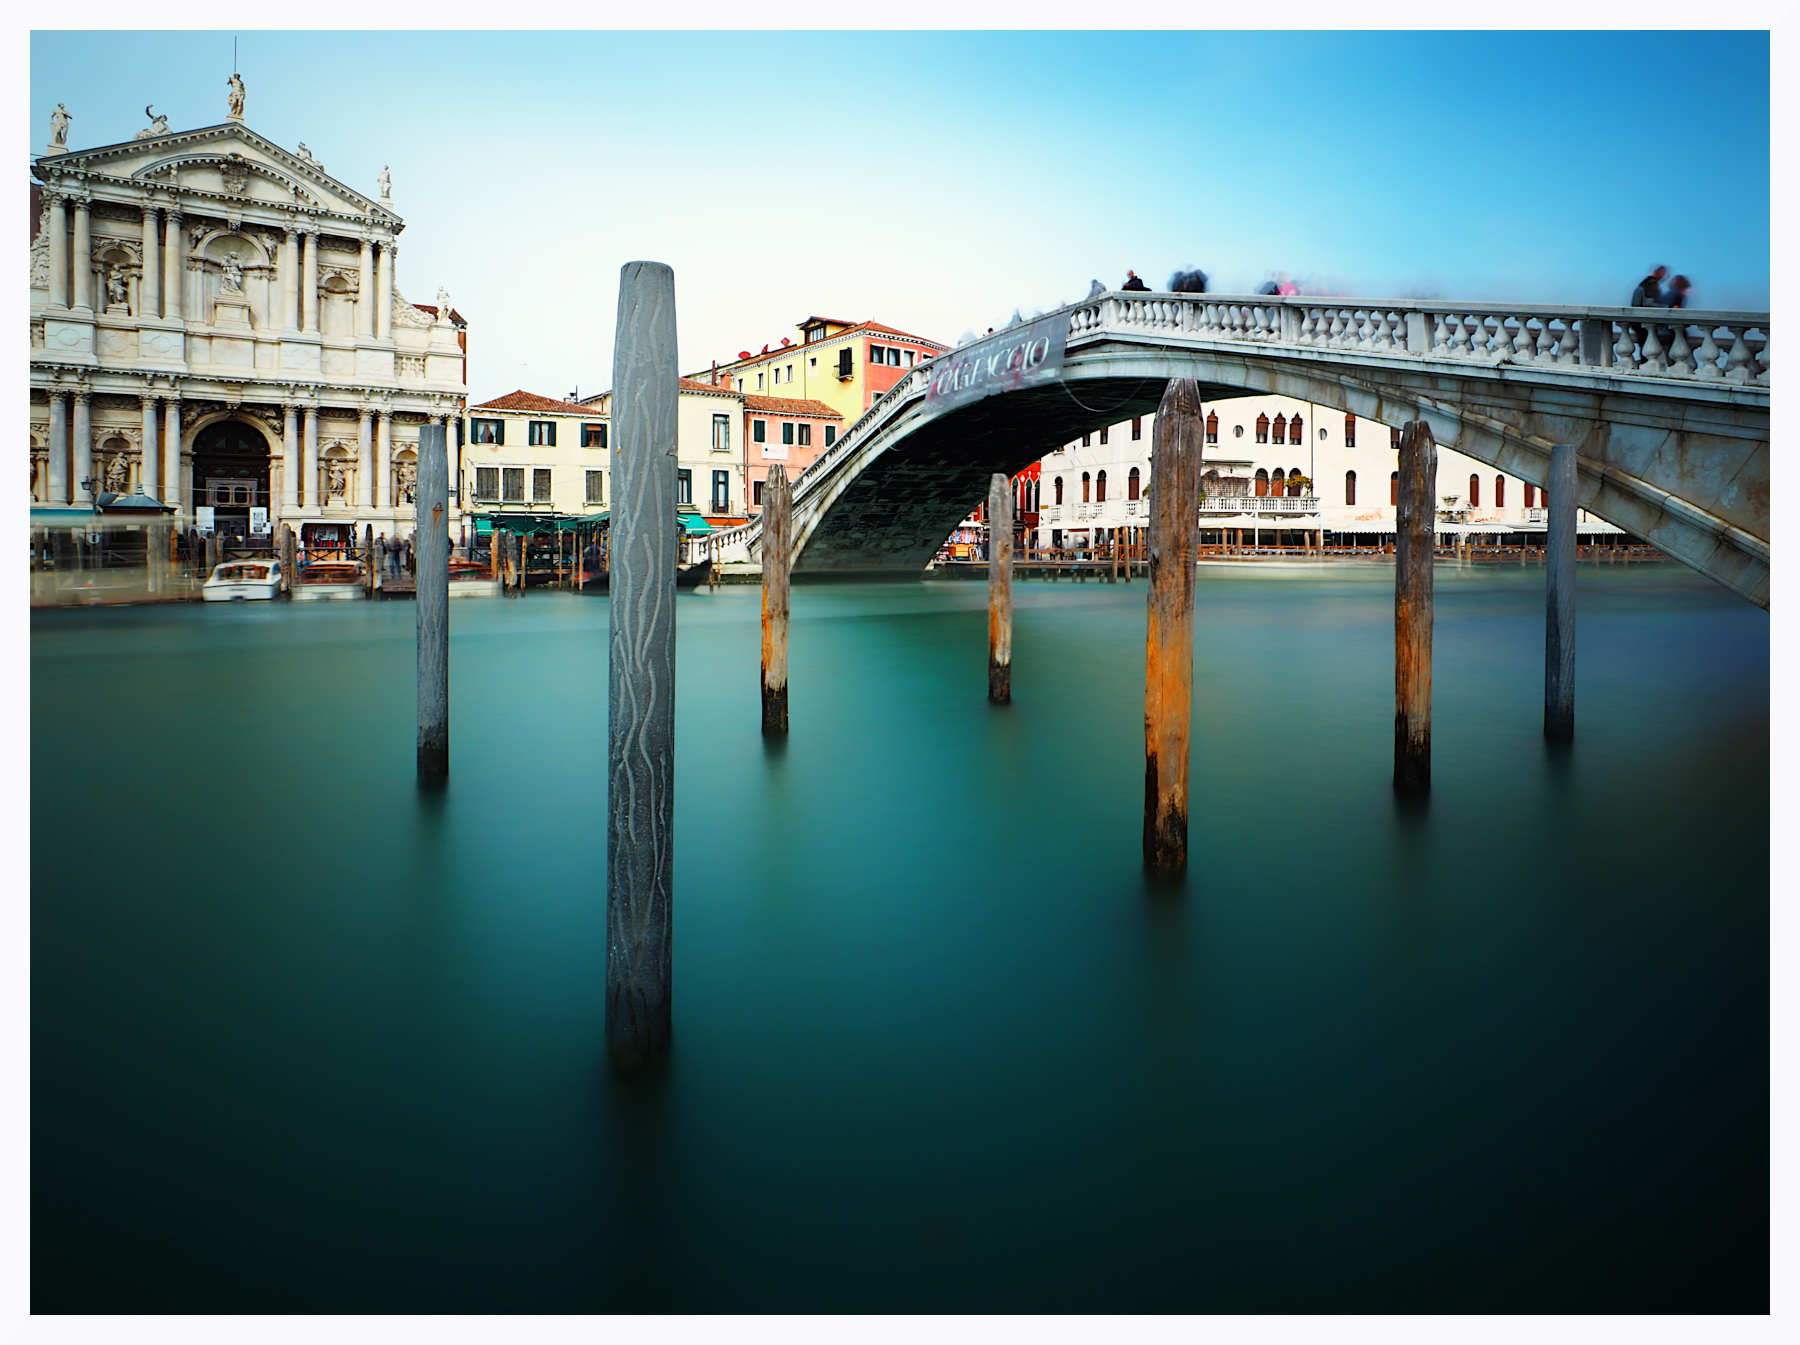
column 328, row 581
column 243, row 581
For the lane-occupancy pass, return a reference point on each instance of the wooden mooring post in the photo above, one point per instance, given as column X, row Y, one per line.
column 777, row 543
column 431, row 592
column 640, row 747
column 289, row 558
column 1000, row 568
column 1414, row 537
column 1559, row 597
column 1169, row 642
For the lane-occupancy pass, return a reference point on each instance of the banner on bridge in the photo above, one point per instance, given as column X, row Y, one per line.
column 1019, row 357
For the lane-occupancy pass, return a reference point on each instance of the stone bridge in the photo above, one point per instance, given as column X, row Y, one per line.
column 1671, row 424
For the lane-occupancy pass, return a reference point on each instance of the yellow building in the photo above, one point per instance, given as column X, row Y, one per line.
column 531, row 455
column 846, row 365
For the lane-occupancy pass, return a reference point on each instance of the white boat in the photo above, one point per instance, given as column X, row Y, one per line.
column 328, row 581
column 243, row 581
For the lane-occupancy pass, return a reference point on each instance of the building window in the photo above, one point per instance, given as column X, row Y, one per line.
column 759, row 381
column 759, row 431
column 1280, row 429
column 740, row 385
column 1237, row 431
column 1087, row 439
column 487, row 431
column 790, row 373
column 540, row 433
column 1262, row 429
column 1276, row 479
column 830, row 435
column 1103, row 432
column 1296, row 430
column 1137, row 428
column 756, row 492
column 596, row 487
column 1499, row 492
column 684, row 486
column 844, row 358
column 540, row 485
column 1132, row 484
column 1349, row 487
column 1212, row 428
column 721, row 492
column 1087, row 486
column 1262, row 481
column 512, row 485
column 1394, row 488
column 1349, row 431
column 721, row 433
column 909, row 359
column 1474, row 491
column 593, row 436
column 787, row 432
column 487, row 483
column 1100, row 488
column 1394, row 437
column 877, row 354
column 1058, row 499
column 803, row 435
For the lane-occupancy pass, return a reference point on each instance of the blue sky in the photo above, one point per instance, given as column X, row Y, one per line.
column 936, row 181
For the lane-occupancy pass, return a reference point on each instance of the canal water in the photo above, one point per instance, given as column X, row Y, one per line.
column 304, row 1040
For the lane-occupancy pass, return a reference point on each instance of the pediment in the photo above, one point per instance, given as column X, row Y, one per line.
column 228, row 160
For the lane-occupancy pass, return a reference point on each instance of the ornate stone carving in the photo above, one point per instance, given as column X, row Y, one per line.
column 158, row 125
column 305, row 155
column 117, row 476
column 59, row 130
column 235, row 175
column 234, row 97
column 405, row 315
column 406, row 481
column 115, row 286
column 234, row 273
column 409, row 366
column 382, row 180
column 40, row 248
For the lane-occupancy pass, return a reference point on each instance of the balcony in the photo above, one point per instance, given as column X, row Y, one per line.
column 1260, row 504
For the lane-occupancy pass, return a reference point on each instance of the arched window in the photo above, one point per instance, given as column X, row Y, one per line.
column 1262, row 429
column 1530, row 494
column 1103, row 432
column 1276, row 480
column 1262, row 481
column 1499, row 492
column 1349, row 431
column 1280, row 429
column 1394, row 488
column 1058, row 490
column 1474, row 491
column 1100, row 488
column 1212, row 427
column 1394, row 437
column 1132, row 485
column 1087, row 486
column 1349, row 487
column 1296, row 430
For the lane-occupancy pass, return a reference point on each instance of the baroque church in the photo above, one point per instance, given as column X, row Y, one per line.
column 215, row 321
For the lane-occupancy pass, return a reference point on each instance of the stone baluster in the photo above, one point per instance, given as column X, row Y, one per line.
column 150, row 291
column 148, row 475
column 1440, row 335
column 1458, row 345
column 1653, row 351
column 290, row 457
column 1528, row 343
column 309, row 281
column 365, row 456
column 174, row 275
column 1737, row 364
column 58, row 227
column 1709, row 356
column 59, row 448
column 365, row 298
column 83, row 260
column 1568, row 344
column 1762, row 362
column 171, row 454
column 1625, row 352
column 1681, row 355
column 82, row 468
column 290, row 280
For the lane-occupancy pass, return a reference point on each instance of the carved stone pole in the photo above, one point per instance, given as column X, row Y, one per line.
column 431, row 561
column 777, row 558
column 1559, row 597
column 640, row 747
column 173, row 271
column 1169, row 642
column 1414, row 545
column 1000, row 567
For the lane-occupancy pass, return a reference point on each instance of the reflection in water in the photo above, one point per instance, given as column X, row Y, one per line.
column 938, row 1045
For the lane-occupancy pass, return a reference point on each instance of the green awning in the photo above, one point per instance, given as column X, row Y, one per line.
column 693, row 525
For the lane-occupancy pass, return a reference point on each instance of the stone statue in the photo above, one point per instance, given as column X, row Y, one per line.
column 337, row 478
column 159, row 125
column 406, row 476
column 234, row 273
column 304, row 153
column 234, row 96
column 115, row 285
column 385, row 182
column 59, row 128
column 443, row 304
column 118, row 474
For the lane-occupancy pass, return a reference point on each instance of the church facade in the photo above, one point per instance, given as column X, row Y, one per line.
column 216, row 320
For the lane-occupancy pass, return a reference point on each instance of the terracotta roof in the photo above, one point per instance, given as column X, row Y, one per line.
column 815, row 319
column 771, row 352
column 701, row 385
column 790, row 406
column 530, row 401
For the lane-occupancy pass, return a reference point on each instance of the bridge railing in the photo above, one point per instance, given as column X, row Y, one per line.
column 1727, row 346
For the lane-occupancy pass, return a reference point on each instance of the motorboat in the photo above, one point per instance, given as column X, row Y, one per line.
column 328, row 581
column 243, row 581
column 472, row 579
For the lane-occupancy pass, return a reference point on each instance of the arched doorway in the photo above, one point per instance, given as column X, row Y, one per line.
column 231, row 475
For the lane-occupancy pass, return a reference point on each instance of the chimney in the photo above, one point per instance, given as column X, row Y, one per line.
column 715, row 373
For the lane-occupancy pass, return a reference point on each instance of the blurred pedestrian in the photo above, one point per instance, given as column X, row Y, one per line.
column 1132, row 282
column 1269, row 285
column 1188, row 282
column 1647, row 294
column 1284, row 284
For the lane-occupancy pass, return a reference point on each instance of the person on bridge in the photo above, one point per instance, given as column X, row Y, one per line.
column 1132, row 282
column 1648, row 294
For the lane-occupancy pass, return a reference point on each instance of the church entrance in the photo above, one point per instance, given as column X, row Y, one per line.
column 231, row 478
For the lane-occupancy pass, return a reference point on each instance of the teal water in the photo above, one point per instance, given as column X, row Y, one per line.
column 304, row 1040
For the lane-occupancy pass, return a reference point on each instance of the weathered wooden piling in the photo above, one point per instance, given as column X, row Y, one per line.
column 289, row 557
column 777, row 546
column 640, row 747
column 1414, row 538
column 431, row 591
column 370, row 563
column 1169, row 643
column 1559, row 597
column 1000, row 568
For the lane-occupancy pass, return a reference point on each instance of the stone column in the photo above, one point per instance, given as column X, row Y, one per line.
column 174, row 272
column 365, row 297
column 290, row 282
column 148, row 475
column 309, row 281
column 59, row 449
column 384, row 459
column 83, row 433
column 384, row 293
column 290, row 457
column 59, row 253
column 84, row 263
column 150, row 290
column 309, row 459
column 365, row 457
column 171, row 455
